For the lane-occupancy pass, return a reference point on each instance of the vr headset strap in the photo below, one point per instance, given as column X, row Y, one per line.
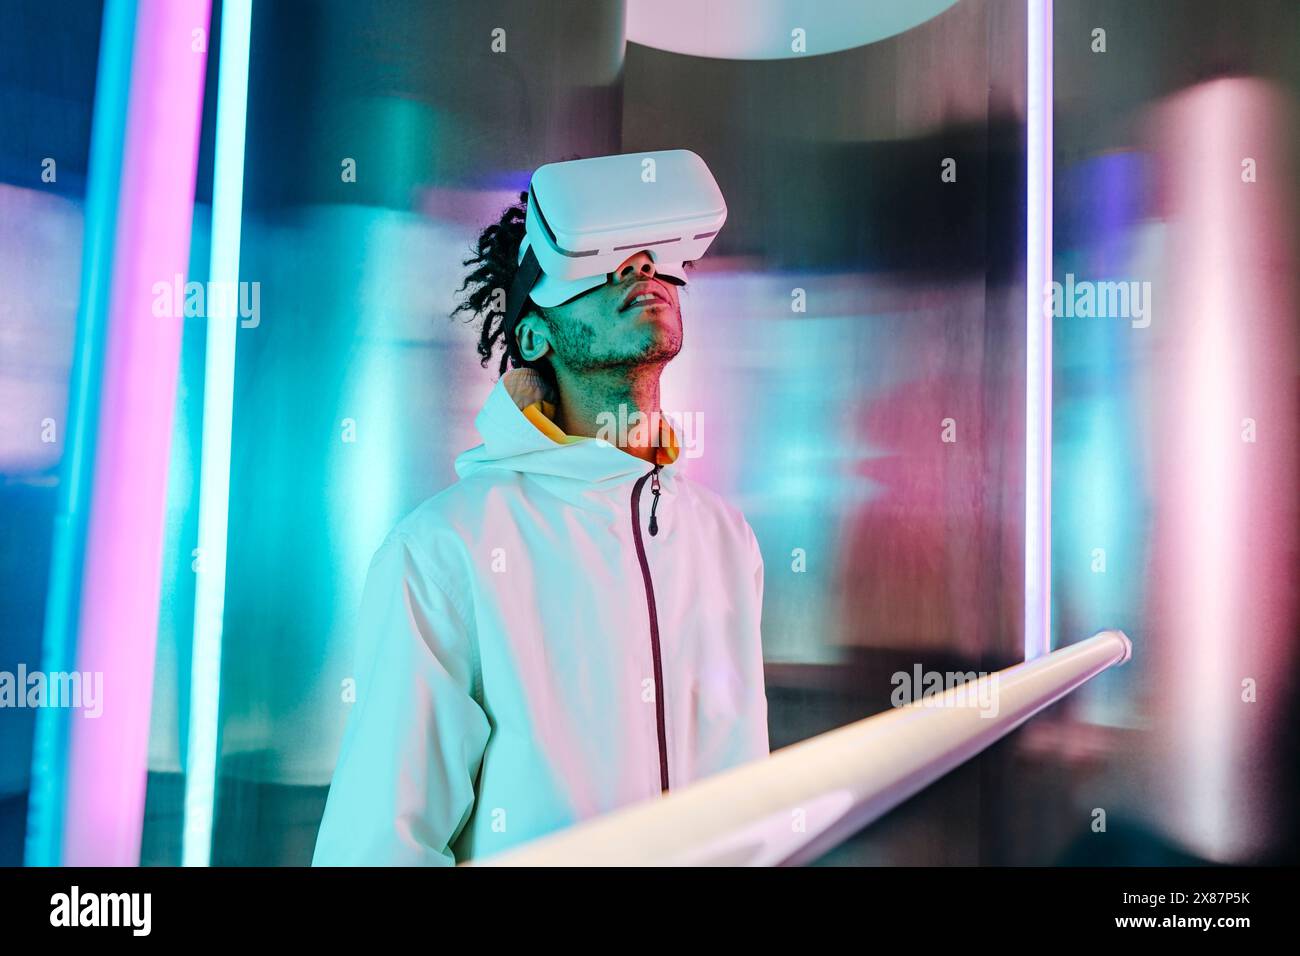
column 526, row 276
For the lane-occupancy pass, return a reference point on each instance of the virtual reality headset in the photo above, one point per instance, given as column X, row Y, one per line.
column 587, row 216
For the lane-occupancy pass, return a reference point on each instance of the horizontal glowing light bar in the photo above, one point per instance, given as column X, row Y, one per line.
column 805, row 799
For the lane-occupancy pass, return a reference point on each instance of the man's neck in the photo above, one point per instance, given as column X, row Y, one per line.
column 590, row 401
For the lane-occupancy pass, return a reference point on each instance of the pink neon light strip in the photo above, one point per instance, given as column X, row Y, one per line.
column 121, row 581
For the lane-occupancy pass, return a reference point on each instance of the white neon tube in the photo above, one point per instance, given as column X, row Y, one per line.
column 218, row 410
column 807, row 798
column 1038, row 333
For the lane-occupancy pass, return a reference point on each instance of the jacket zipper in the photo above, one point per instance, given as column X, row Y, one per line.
column 654, row 617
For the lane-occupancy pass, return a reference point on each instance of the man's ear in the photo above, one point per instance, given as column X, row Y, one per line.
column 533, row 336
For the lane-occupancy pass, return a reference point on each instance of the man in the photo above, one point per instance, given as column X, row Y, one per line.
column 574, row 625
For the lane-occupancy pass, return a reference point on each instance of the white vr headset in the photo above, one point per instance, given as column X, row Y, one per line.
column 588, row 216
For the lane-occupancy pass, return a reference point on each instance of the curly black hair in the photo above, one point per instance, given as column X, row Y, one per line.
column 495, row 260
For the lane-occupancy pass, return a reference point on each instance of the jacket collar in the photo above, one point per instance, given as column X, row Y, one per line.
column 519, row 435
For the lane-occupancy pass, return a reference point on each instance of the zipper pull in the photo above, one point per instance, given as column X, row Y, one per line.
column 654, row 490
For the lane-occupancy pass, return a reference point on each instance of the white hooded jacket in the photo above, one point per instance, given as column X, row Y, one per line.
column 511, row 633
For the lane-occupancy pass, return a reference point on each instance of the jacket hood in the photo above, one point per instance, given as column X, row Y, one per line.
column 519, row 436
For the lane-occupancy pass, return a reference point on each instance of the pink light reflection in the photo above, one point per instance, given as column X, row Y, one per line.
column 1223, row 588
column 119, row 605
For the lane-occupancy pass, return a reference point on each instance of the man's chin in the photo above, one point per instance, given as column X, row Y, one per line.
column 656, row 353
column 656, row 346
column 662, row 348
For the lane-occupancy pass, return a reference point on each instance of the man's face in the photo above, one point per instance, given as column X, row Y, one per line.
column 633, row 319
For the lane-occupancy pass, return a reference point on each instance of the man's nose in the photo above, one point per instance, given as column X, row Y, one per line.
column 639, row 266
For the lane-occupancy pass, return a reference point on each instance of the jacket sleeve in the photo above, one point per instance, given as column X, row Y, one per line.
column 403, row 787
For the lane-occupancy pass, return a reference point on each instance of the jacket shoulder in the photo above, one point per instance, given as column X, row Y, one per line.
column 440, row 527
column 726, row 516
column 452, row 507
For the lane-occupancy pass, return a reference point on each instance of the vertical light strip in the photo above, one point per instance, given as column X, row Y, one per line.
column 1223, row 437
column 118, row 622
column 58, row 652
column 218, row 409
column 1038, row 334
